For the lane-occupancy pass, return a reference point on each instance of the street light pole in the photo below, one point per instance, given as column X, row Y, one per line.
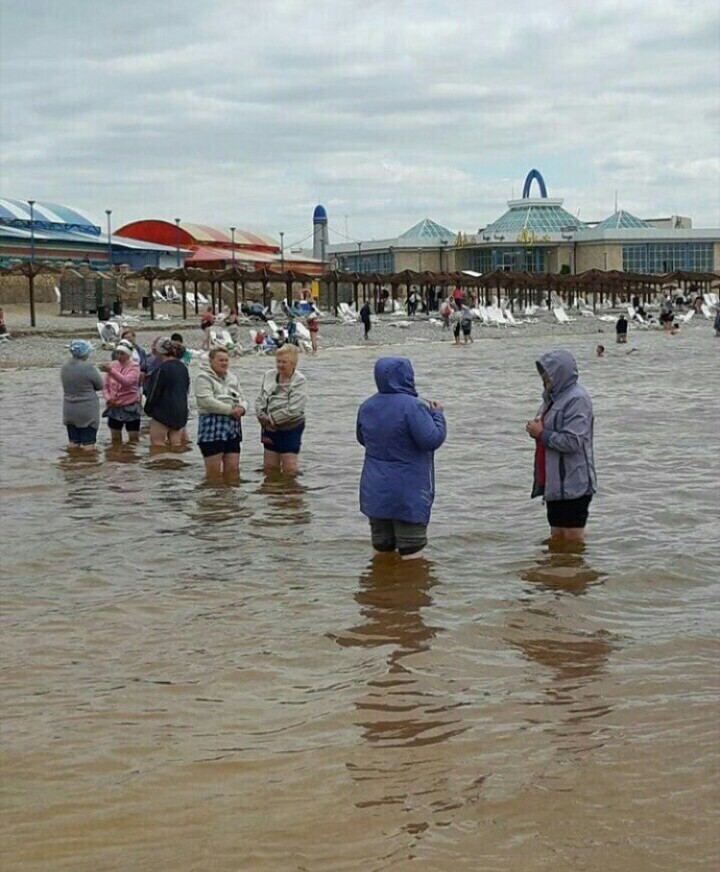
column 232, row 237
column 108, row 212
column 359, row 245
column 282, row 251
column 177, row 242
column 31, row 204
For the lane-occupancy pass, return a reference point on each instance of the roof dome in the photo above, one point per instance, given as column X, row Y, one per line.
column 539, row 216
column 428, row 229
column 46, row 216
column 620, row 220
column 320, row 215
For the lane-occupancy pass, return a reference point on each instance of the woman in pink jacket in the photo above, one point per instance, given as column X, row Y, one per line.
column 121, row 390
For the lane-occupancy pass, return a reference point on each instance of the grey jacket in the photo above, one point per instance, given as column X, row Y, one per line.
column 81, row 380
column 283, row 402
column 215, row 395
column 567, row 432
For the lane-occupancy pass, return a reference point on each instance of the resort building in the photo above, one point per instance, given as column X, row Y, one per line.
column 538, row 235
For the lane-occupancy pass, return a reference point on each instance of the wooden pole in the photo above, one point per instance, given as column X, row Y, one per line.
column 184, row 299
column 31, row 290
column 152, row 299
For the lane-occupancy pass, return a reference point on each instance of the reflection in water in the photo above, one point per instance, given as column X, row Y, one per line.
column 284, row 500
column 123, row 452
column 557, row 637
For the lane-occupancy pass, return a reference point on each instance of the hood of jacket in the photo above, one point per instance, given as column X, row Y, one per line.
column 395, row 375
column 561, row 368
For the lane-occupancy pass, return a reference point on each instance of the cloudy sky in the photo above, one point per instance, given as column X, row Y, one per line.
column 249, row 112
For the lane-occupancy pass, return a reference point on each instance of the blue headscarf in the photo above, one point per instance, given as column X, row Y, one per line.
column 80, row 348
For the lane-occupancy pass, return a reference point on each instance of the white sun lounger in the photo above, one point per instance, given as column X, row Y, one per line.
column 561, row 315
column 707, row 312
column 683, row 319
column 302, row 331
column 109, row 332
column 57, row 294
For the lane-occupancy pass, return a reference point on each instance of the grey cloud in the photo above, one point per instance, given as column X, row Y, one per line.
column 251, row 112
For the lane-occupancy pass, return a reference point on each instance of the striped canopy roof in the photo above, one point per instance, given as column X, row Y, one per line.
column 204, row 234
column 16, row 211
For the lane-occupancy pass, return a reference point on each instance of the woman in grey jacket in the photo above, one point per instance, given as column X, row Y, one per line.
column 280, row 409
column 220, row 407
column 81, row 409
column 564, row 462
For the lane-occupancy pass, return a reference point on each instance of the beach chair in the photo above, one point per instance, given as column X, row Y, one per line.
column 688, row 316
column 56, row 289
column 511, row 319
column 713, row 298
column 159, row 297
column 221, row 338
column 496, row 316
column 482, row 313
column 707, row 312
column 561, row 315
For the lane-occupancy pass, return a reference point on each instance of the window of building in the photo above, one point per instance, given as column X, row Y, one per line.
column 664, row 257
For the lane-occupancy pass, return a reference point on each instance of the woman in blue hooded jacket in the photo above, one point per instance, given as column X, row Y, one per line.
column 564, row 462
column 400, row 433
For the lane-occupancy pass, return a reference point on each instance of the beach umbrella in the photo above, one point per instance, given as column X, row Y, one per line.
column 31, row 269
column 265, row 276
column 290, row 277
column 183, row 275
column 235, row 274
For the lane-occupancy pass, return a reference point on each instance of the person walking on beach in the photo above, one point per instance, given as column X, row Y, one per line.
column 365, row 318
column 220, row 407
column 400, row 433
column 207, row 319
column 167, row 402
column 455, row 320
column 122, row 394
column 446, row 309
column 457, row 296
column 563, row 433
column 313, row 326
column 621, row 330
column 81, row 408
column 280, row 409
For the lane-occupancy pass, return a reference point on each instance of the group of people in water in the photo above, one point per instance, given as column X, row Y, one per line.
column 162, row 380
column 399, row 431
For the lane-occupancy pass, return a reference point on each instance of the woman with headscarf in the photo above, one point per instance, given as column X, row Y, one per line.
column 81, row 409
column 122, row 393
column 563, row 433
column 167, row 402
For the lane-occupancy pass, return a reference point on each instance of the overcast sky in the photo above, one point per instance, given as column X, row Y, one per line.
column 249, row 112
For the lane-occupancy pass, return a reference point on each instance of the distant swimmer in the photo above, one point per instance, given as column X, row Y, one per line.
column 400, row 433
column 563, row 432
column 600, row 351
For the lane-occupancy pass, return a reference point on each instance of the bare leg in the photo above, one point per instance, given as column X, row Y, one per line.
column 158, row 434
column 289, row 463
column 134, row 436
column 116, row 436
column 231, row 468
column 89, row 449
column 271, row 460
column 213, row 467
column 177, row 438
column 412, row 556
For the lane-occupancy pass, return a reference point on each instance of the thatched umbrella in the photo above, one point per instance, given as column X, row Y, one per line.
column 150, row 274
column 30, row 269
column 264, row 276
column 290, row 277
column 235, row 274
column 406, row 277
column 183, row 274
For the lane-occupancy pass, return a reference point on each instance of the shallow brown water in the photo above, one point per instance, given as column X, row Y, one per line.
column 201, row 678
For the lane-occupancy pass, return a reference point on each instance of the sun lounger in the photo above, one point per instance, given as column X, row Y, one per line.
column 159, row 297
column 683, row 319
column 109, row 332
column 56, row 289
column 707, row 312
column 561, row 315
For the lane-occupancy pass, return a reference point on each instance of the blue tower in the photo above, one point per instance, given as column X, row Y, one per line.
column 320, row 233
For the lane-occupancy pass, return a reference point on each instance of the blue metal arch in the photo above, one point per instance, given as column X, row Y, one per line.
column 534, row 175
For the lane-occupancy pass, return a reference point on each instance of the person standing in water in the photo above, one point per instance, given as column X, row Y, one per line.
column 621, row 329
column 400, row 433
column 81, row 408
column 563, row 432
column 313, row 328
column 280, row 409
column 122, row 393
column 365, row 318
column 167, row 402
column 220, row 407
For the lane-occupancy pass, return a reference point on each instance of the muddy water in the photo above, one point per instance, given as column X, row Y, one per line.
column 197, row 678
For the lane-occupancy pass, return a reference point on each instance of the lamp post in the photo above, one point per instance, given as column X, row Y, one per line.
column 232, row 237
column 108, row 212
column 359, row 245
column 177, row 242
column 31, row 281
column 31, row 204
column 282, row 251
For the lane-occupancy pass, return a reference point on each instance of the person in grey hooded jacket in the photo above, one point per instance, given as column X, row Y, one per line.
column 564, row 462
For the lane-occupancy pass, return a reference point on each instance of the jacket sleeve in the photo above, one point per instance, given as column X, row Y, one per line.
column 260, row 401
column 156, row 390
column 358, row 431
column 96, row 379
column 128, row 381
column 295, row 408
column 575, row 427
column 206, row 402
column 427, row 427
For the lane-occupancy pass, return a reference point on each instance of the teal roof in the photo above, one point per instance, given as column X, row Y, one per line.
column 620, row 220
column 537, row 216
column 427, row 229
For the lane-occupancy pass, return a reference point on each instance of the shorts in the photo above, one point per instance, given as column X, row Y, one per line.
column 220, row 446
column 466, row 328
column 283, row 441
column 568, row 513
column 132, row 426
column 81, row 435
column 401, row 536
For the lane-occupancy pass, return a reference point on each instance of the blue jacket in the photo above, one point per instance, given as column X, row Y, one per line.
column 567, row 431
column 400, row 433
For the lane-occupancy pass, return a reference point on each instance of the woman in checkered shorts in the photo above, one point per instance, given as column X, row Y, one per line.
column 220, row 408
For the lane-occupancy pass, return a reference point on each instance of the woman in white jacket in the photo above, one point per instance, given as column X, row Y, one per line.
column 280, row 409
column 220, row 408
